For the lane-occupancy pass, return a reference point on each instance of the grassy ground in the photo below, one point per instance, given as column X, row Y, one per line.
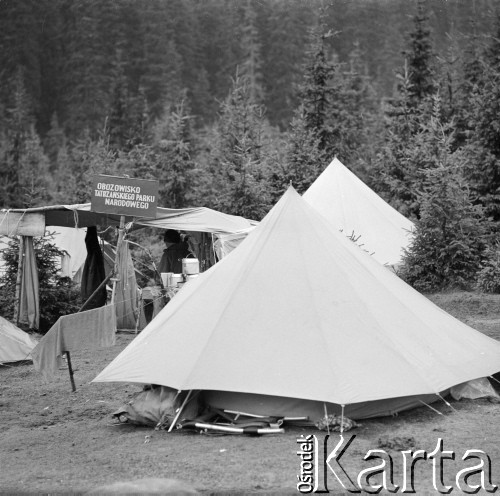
column 56, row 441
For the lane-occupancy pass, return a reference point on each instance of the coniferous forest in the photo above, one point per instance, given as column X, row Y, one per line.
column 226, row 102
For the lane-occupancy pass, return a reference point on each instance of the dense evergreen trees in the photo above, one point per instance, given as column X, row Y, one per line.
column 227, row 102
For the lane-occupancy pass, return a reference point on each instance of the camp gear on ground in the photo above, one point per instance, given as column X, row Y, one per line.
column 472, row 390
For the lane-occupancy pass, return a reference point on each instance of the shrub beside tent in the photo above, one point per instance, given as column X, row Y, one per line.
column 298, row 321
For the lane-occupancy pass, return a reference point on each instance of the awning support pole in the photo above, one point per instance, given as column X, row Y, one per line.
column 119, row 242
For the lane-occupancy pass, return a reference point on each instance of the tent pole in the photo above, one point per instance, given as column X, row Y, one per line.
column 70, row 369
column 178, row 414
column 121, row 230
column 139, row 312
column 342, row 421
column 19, row 277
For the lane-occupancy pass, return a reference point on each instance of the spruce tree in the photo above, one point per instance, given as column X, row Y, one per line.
column 483, row 145
column 172, row 141
column 238, row 163
column 251, row 65
column 118, row 125
column 24, row 170
column 420, row 57
column 317, row 91
column 303, row 161
column 283, row 23
column 449, row 237
column 409, row 116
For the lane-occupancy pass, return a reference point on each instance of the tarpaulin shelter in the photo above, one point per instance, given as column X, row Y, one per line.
column 298, row 319
column 34, row 221
column 15, row 344
column 352, row 207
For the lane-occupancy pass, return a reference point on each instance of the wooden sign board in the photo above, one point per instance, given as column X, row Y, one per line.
column 124, row 196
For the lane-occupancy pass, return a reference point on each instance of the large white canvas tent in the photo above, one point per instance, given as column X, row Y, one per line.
column 15, row 344
column 351, row 206
column 298, row 318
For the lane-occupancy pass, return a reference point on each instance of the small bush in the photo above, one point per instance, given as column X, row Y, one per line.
column 488, row 279
column 450, row 235
column 58, row 295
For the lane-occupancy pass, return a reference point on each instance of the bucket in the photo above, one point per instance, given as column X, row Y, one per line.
column 190, row 266
column 166, row 279
column 191, row 276
column 176, row 279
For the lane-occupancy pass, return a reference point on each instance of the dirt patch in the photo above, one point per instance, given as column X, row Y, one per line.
column 56, row 441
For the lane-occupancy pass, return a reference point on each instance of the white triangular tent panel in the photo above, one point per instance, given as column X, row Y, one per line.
column 298, row 311
column 351, row 206
column 15, row 344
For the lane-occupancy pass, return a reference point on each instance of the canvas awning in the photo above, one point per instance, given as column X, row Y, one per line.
column 33, row 221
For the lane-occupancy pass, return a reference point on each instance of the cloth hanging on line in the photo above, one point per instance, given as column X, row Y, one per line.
column 93, row 271
column 88, row 330
column 29, row 300
column 126, row 289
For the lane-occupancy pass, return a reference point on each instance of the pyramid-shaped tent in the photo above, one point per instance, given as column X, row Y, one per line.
column 298, row 317
column 15, row 344
column 351, row 206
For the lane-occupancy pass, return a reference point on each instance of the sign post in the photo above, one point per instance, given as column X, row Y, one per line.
column 126, row 197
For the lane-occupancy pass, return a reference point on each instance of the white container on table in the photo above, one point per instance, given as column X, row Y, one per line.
column 190, row 266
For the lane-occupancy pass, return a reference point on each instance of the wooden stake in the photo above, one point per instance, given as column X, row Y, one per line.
column 70, row 369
